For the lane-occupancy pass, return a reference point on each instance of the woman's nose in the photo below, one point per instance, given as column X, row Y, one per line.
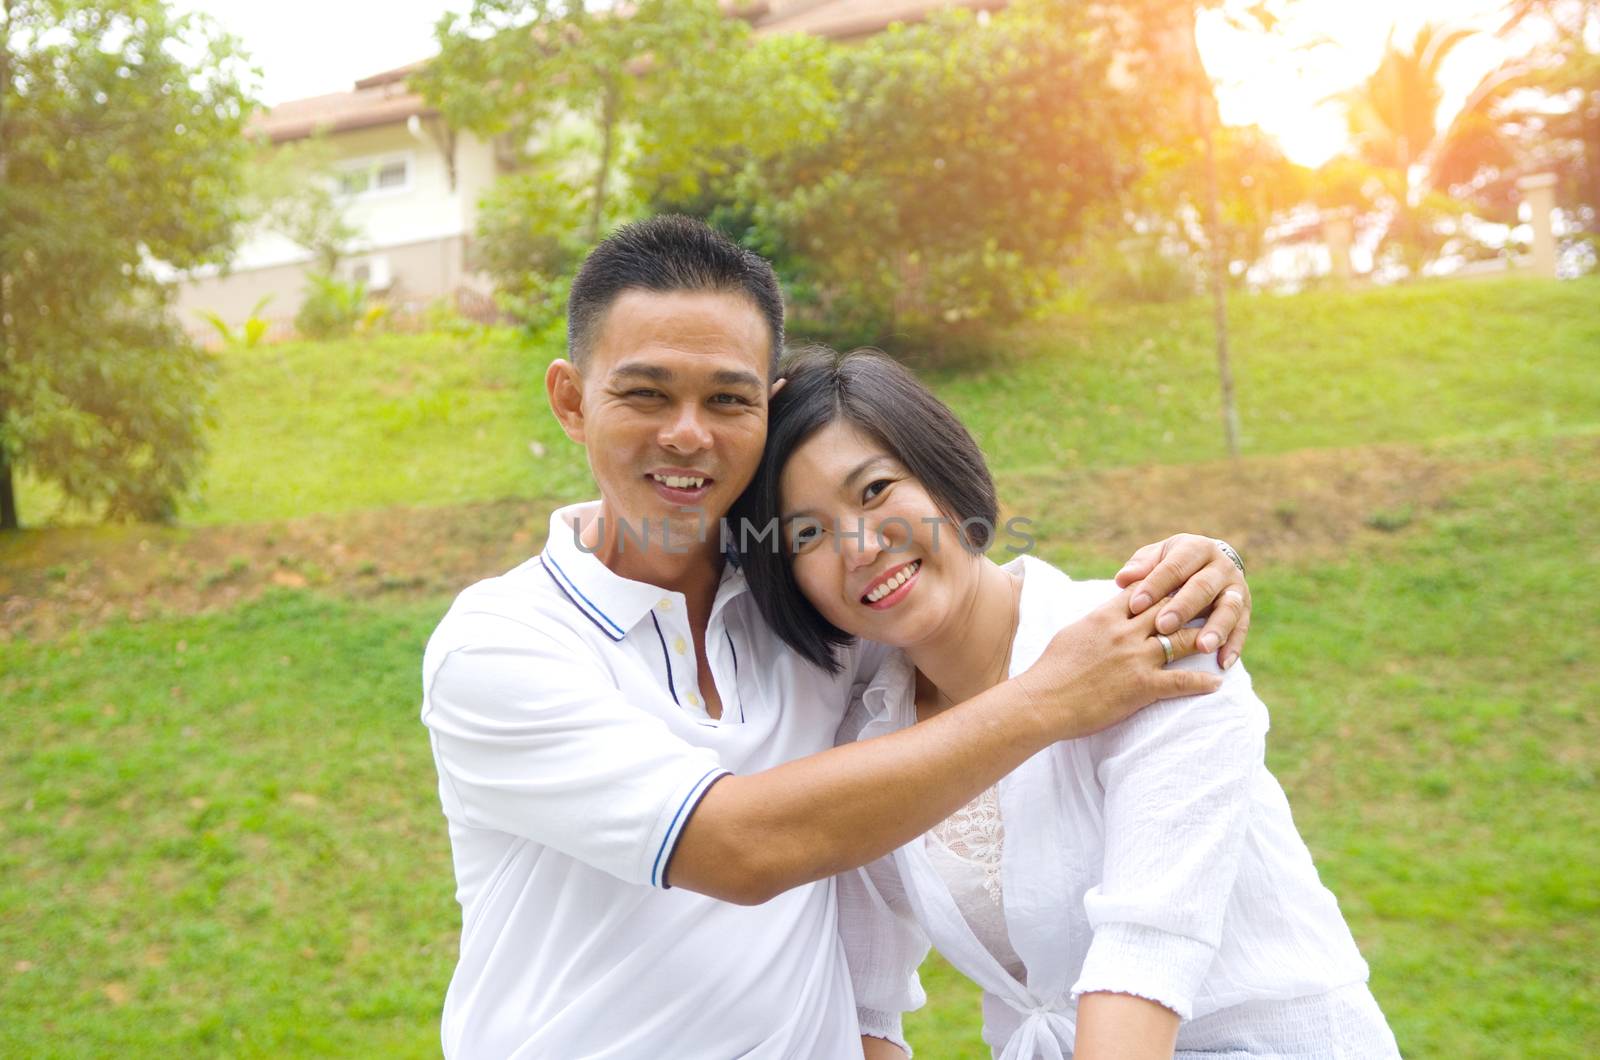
column 859, row 542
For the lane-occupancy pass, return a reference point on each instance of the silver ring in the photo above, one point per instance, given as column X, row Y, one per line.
column 1166, row 645
column 1227, row 550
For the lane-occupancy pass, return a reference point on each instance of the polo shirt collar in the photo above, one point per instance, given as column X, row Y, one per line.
column 613, row 603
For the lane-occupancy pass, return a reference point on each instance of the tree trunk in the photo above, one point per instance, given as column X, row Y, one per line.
column 8, row 494
column 1206, row 115
column 1219, row 293
column 8, row 497
column 608, row 134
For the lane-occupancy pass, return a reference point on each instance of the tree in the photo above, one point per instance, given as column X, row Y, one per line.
column 964, row 161
column 604, row 109
column 518, row 68
column 1158, row 39
column 121, row 142
column 1393, row 117
column 1548, row 108
column 293, row 193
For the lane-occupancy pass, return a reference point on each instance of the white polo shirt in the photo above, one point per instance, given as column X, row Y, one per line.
column 572, row 745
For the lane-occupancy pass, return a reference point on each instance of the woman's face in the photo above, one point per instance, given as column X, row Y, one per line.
column 870, row 548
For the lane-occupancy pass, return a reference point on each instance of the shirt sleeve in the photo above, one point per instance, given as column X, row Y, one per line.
column 532, row 737
column 883, row 946
column 1177, row 778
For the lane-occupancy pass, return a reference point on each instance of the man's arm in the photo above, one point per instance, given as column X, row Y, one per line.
column 753, row 837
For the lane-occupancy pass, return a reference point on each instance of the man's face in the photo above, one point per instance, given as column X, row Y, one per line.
column 672, row 405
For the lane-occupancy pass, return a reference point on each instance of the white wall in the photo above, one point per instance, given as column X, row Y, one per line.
column 425, row 208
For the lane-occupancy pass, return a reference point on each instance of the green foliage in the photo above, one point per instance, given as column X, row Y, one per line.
column 1411, row 162
column 1548, row 107
column 331, row 307
column 249, row 334
column 121, row 140
column 607, row 115
column 963, row 162
column 1257, row 186
column 292, row 192
column 516, row 68
column 530, row 240
column 1141, row 268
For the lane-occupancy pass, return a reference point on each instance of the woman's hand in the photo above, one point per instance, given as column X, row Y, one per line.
column 1108, row 664
column 1196, row 573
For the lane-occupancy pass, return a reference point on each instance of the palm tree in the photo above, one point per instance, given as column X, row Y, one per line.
column 1393, row 118
column 1393, row 121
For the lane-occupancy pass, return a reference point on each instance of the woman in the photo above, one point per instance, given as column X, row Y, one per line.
column 1135, row 893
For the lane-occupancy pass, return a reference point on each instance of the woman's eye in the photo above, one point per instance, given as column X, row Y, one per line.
column 875, row 487
column 805, row 535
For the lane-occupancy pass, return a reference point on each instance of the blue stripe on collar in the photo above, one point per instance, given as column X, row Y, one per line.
column 583, row 603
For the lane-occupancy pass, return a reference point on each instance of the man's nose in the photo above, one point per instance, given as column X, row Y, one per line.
column 686, row 432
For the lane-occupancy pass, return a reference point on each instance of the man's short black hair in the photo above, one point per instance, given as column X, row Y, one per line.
column 883, row 400
column 665, row 254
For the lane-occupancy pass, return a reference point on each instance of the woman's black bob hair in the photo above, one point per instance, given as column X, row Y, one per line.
column 883, row 400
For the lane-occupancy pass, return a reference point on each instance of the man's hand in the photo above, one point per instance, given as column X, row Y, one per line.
column 1105, row 666
column 1196, row 573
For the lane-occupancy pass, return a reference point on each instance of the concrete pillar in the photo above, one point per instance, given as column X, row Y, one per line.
column 1539, row 192
column 1339, row 232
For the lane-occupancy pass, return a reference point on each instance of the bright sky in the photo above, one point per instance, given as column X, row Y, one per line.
column 306, row 48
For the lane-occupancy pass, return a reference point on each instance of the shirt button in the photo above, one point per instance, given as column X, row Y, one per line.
column 679, row 646
column 694, row 700
column 664, row 604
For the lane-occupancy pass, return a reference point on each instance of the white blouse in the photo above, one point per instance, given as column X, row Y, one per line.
column 1157, row 858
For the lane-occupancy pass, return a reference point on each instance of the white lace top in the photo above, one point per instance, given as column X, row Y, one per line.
column 1157, row 858
column 965, row 851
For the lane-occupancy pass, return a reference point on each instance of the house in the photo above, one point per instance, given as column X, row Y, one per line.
column 412, row 183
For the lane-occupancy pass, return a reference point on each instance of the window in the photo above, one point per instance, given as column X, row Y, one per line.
column 367, row 176
column 355, row 181
column 392, row 174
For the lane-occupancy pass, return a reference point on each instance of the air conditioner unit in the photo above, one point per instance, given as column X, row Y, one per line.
column 373, row 271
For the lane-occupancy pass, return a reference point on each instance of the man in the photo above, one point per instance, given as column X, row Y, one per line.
column 644, row 812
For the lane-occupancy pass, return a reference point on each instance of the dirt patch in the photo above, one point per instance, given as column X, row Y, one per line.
column 52, row 581
column 1299, row 507
column 1311, row 505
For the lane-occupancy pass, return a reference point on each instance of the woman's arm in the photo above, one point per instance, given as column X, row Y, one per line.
column 1178, row 781
column 883, row 947
column 1122, row 1027
column 879, row 1049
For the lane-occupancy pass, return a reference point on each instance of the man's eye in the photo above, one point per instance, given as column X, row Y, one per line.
column 729, row 399
column 644, row 392
column 875, row 487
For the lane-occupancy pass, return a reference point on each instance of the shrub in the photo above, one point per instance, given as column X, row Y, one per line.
column 331, row 307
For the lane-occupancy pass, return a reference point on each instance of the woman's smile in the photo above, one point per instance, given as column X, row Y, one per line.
column 893, row 586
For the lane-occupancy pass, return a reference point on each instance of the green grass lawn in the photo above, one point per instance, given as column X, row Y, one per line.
column 221, row 834
column 443, row 419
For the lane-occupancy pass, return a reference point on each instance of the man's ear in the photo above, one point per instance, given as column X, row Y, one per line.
column 777, row 386
column 563, row 383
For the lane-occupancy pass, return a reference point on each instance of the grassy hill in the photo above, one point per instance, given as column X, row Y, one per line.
column 220, row 833
column 445, row 419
